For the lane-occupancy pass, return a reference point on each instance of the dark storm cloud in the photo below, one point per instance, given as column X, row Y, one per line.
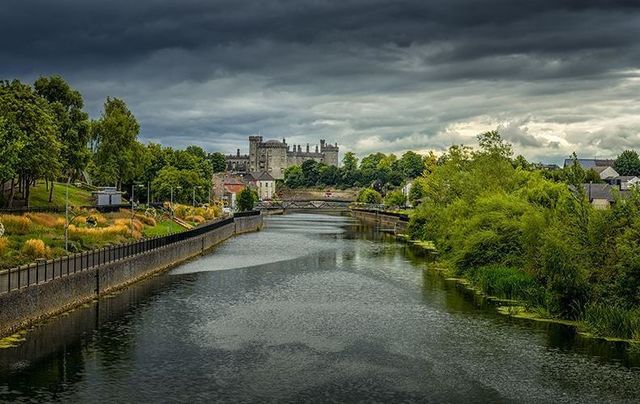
column 371, row 74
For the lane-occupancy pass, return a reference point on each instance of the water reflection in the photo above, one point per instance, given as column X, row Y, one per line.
column 310, row 309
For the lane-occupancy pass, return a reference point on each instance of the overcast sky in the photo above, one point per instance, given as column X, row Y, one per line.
column 553, row 76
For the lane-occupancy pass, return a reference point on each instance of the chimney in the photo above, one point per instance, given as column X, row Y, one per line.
column 238, row 153
column 336, row 144
column 316, row 149
column 321, row 144
column 284, row 140
column 299, row 148
column 307, row 147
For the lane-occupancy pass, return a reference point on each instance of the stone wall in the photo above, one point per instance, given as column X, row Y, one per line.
column 20, row 308
column 388, row 221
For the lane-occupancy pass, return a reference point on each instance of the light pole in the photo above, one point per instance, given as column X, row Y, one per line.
column 66, row 216
column 194, row 194
column 148, row 193
column 178, row 187
column 133, row 211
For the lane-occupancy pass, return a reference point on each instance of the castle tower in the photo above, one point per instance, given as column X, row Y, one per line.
column 254, row 143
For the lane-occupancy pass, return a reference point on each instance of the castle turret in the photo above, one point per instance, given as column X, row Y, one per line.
column 254, row 142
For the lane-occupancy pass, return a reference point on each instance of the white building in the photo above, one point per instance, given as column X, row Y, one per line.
column 264, row 183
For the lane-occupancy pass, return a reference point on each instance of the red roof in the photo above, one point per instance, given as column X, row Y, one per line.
column 233, row 188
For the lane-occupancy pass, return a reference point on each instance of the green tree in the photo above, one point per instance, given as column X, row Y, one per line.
column 117, row 150
column 294, row 177
column 11, row 144
column 349, row 173
column 311, row 172
column 196, row 151
column 417, row 191
column 73, row 127
column 328, row 175
column 246, row 200
column 411, row 164
column 183, row 182
column 627, row 163
column 218, row 162
column 29, row 127
column 395, row 199
column 369, row 196
column 350, row 161
column 492, row 143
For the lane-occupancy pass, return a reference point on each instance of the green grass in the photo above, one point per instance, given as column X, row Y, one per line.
column 162, row 228
column 612, row 321
column 40, row 195
column 505, row 282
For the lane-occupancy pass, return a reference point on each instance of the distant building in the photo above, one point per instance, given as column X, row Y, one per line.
column 606, row 173
column 227, row 187
column 626, row 182
column 590, row 163
column 274, row 156
column 264, row 183
column 107, row 196
column 601, row 196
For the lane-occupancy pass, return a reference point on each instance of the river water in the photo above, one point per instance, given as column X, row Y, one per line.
column 313, row 308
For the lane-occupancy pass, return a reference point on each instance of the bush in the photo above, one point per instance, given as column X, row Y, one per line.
column 4, row 246
column 395, row 198
column 148, row 220
column 195, row 219
column 16, row 224
column 563, row 274
column 370, row 196
column 35, row 248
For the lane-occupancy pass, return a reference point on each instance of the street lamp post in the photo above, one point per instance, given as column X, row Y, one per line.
column 133, row 211
column 178, row 187
column 66, row 216
column 194, row 195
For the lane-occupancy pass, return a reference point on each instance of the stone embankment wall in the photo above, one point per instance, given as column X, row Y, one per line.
column 395, row 223
column 22, row 307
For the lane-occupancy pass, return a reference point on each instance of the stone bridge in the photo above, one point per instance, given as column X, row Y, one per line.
column 315, row 204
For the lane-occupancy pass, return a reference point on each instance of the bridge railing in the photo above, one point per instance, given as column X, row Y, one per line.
column 46, row 270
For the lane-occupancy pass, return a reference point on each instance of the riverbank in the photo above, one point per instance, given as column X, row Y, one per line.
column 500, row 285
column 27, row 305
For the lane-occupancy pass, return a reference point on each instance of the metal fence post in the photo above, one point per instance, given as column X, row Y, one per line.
column 9, row 280
column 45, row 270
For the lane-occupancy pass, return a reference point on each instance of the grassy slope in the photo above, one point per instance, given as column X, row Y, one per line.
column 77, row 196
column 162, row 228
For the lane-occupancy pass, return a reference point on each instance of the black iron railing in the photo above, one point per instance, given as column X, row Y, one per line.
column 45, row 270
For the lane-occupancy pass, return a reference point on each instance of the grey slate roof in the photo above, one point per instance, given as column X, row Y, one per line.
column 591, row 163
column 261, row 176
column 602, row 191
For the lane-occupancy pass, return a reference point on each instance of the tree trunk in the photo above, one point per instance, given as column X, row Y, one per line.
column 51, row 193
column 27, row 190
column 13, row 192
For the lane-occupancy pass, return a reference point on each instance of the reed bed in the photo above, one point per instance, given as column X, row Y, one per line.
column 16, row 225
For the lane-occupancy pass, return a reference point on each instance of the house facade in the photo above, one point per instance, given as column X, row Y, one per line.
column 264, row 184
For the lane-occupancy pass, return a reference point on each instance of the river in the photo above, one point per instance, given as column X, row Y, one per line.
column 313, row 308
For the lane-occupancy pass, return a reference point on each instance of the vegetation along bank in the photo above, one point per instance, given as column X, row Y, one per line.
column 518, row 232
